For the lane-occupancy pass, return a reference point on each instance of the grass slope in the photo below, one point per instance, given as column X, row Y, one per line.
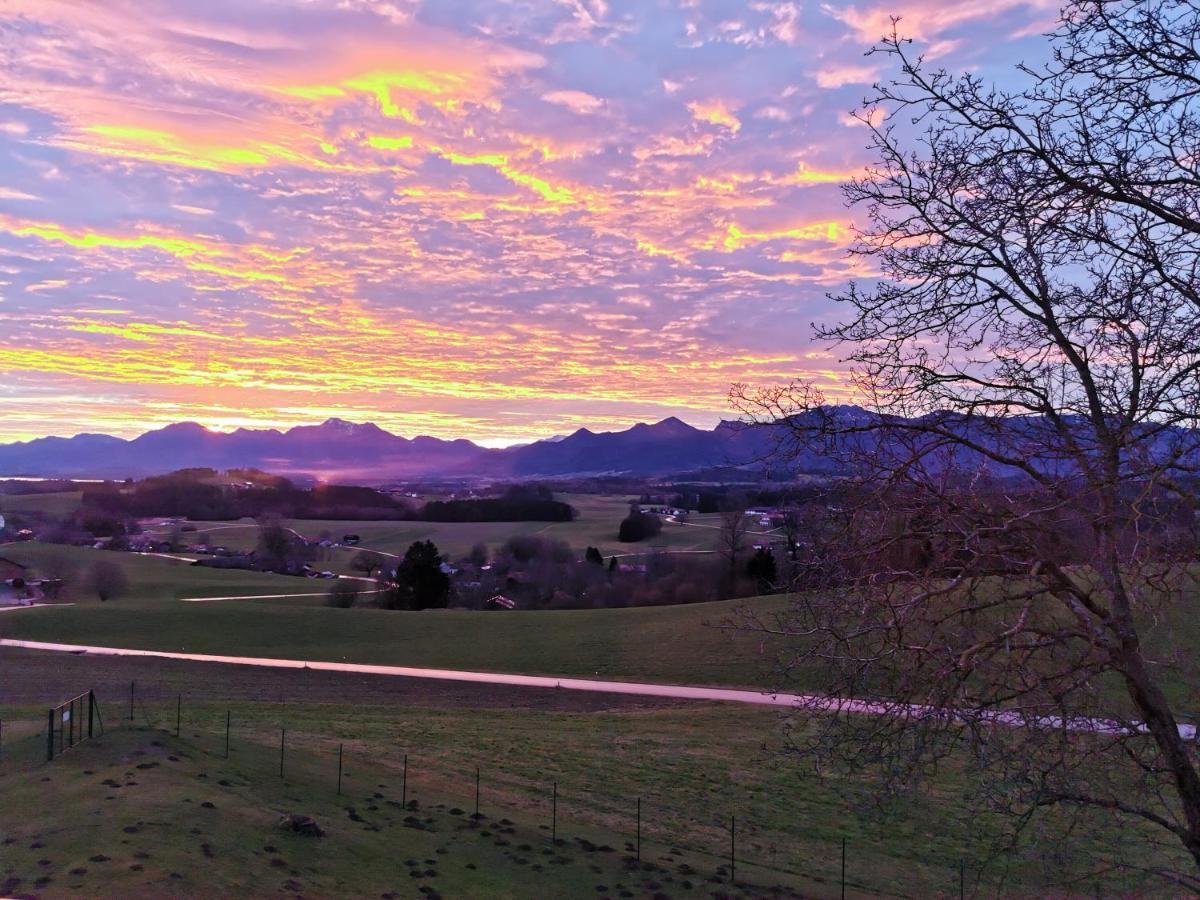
column 681, row 644
column 596, row 525
column 151, row 579
column 56, row 505
column 140, row 812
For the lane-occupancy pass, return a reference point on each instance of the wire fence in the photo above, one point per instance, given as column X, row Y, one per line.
column 717, row 848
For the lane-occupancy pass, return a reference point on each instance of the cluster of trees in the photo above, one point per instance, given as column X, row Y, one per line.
column 418, row 582
column 542, row 573
column 709, row 499
column 104, row 578
column 196, row 494
column 199, row 494
column 519, row 503
column 638, row 526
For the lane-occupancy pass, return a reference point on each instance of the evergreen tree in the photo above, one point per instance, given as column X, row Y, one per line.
column 762, row 569
column 420, row 581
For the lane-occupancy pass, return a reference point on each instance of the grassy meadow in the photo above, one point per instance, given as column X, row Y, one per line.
column 140, row 810
column 57, row 505
column 151, row 579
column 684, row 644
column 596, row 525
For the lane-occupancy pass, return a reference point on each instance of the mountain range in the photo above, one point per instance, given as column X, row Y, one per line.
column 337, row 450
column 367, row 454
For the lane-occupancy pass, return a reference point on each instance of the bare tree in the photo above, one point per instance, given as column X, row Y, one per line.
column 106, row 580
column 1016, row 549
column 343, row 594
column 367, row 562
column 731, row 544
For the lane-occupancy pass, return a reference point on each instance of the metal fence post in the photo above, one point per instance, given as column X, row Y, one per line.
column 732, row 849
column 227, row 734
column 554, row 815
column 477, row 792
column 178, row 712
column 339, row 768
column 843, row 869
column 131, row 701
column 282, row 738
column 639, row 829
column 49, row 735
column 404, row 783
column 91, row 712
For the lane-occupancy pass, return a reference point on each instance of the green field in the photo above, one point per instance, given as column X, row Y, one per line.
column 668, row 644
column 596, row 525
column 151, row 579
column 139, row 811
column 54, row 505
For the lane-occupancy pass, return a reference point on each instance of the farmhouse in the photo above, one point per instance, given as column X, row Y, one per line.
column 13, row 588
column 10, row 570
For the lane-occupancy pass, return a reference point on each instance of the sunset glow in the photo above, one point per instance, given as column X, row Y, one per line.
column 489, row 220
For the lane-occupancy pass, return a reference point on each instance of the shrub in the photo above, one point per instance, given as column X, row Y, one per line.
column 638, row 526
column 343, row 594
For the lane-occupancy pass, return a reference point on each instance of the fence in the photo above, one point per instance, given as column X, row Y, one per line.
column 719, row 850
column 61, row 723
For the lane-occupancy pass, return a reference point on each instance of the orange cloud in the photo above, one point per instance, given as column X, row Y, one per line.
column 715, row 112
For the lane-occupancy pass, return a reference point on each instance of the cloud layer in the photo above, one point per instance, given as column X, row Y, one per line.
column 497, row 220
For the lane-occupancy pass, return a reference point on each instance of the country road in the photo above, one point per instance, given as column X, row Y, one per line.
column 272, row 596
column 811, row 703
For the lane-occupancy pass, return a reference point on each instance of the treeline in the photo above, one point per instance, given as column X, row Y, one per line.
column 536, row 572
column 709, row 499
column 518, row 504
column 198, row 494
column 189, row 495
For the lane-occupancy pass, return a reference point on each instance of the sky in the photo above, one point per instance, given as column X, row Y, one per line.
column 493, row 220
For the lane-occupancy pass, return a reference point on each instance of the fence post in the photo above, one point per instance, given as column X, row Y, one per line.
column 49, row 735
column 71, row 721
column 282, row 738
column 178, row 712
column 732, row 849
column 843, row 869
column 227, row 734
column 639, row 829
column 91, row 711
column 131, row 701
column 554, row 815
column 404, row 783
column 477, row 792
column 339, row 768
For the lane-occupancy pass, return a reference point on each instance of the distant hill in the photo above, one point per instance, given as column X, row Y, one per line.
column 366, row 454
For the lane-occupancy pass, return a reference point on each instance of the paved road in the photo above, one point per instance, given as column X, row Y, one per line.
column 670, row 691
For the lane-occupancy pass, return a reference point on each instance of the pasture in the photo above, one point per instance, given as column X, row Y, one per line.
column 596, row 525
column 58, row 505
column 140, row 809
column 151, row 579
column 684, row 644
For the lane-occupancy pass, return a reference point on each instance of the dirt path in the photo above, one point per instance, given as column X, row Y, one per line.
column 808, row 702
